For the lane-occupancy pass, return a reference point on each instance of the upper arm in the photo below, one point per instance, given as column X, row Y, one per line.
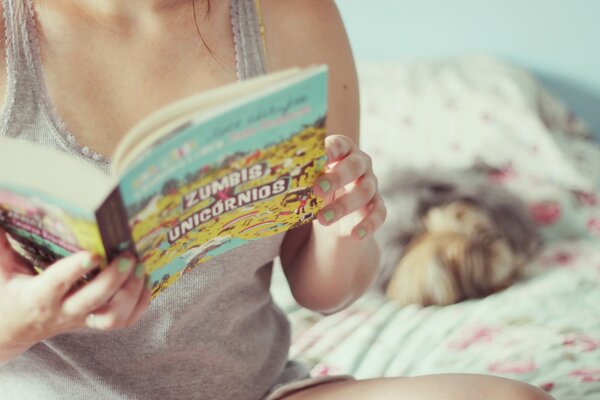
column 307, row 32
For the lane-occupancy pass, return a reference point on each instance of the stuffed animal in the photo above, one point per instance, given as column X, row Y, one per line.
column 451, row 236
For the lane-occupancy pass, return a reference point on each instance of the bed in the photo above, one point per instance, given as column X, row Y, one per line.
column 544, row 330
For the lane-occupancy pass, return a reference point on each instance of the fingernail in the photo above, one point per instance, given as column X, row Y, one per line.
column 361, row 232
column 139, row 270
column 124, row 264
column 149, row 283
column 88, row 262
column 328, row 215
column 325, row 185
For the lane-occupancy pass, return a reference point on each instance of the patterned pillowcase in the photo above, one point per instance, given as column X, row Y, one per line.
column 455, row 112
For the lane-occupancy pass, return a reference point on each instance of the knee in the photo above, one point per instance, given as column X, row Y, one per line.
column 523, row 391
column 499, row 388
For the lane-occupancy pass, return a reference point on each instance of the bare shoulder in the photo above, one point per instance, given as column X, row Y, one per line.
column 307, row 32
column 311, row 29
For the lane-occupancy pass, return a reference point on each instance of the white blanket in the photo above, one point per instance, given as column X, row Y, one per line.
column 544, row 330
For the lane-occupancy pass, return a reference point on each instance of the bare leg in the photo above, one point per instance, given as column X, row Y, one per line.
column 428, row 387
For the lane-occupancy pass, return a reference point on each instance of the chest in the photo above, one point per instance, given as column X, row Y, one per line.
column 101, row 85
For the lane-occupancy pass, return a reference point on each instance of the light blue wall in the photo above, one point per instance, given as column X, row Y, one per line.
column 559, row 40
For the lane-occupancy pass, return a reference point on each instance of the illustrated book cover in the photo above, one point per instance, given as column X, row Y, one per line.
column 193, row 180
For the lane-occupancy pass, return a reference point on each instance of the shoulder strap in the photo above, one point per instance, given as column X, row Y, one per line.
column 20, row 44
column 248, row 32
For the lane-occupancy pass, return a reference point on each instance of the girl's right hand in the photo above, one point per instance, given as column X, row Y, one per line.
column 36, row 307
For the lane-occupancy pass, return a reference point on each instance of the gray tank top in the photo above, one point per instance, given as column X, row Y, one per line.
column 216, row 334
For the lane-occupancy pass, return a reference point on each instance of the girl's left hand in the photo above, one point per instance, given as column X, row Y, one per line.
column 349, row 185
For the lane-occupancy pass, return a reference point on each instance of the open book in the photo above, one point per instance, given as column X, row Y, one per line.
column 193, row 180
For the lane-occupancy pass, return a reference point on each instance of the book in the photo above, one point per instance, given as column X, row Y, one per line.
column 193, row 180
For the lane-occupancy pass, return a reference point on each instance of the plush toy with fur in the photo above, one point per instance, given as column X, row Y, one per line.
column 451, row 236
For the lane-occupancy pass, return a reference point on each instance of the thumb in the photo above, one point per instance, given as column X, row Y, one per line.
column 6, row 251
column 10, row 261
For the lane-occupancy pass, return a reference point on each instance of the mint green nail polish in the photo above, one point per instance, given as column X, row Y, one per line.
column 87, row 263
column 328, row 215
column 361, row 232
column 124, row 264
column 139, row 270
column 149, row 283
column 325, row 186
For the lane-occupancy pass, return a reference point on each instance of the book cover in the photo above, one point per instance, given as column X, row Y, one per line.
column 241, row 176
column 237, row 172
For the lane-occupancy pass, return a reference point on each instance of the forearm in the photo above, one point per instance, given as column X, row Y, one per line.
column 331, row 271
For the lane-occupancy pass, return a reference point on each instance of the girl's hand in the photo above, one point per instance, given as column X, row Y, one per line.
column 348, row 186
column 36, row 307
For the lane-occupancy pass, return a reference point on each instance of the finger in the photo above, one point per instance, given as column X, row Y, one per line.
column 58, row 279
column 121, row 306
column 358, row 196
column 375, row 217
column 101, row 289
column 3, row 240
column 338, row 147
column 141, row 307
column 10, row 261
column 6, row 251
column 348, row 170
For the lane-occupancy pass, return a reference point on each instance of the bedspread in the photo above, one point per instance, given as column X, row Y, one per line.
column 545, row 329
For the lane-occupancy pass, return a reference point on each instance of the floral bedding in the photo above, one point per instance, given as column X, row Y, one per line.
column 544, row 330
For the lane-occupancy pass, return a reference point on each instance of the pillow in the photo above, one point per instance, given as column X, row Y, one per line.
column 457, row 112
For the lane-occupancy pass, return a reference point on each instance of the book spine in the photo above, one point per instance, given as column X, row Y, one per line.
column 114, row 226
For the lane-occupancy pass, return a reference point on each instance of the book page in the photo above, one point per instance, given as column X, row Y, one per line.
column 45, row 227
column 167, row 120
column 57, row 174
column 243, row 175
column 48, row 199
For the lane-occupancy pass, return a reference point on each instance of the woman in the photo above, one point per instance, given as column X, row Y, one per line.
column 79, row 74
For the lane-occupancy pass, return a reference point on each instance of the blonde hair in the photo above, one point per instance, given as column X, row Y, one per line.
column 460, row 255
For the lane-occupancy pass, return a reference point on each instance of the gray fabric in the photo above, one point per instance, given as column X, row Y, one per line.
column 215, row 334
column 250, row 54
column 28, row 113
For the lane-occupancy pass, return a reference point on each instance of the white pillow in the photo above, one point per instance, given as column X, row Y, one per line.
column 452, row 113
